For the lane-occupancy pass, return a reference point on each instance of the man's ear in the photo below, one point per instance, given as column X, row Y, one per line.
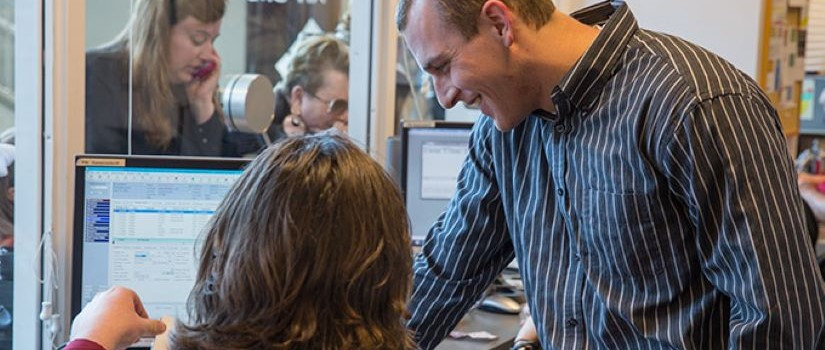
column 295, row 99
column 499, row 16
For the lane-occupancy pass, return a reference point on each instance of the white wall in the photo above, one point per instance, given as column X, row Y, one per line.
column 231, row 45
column 106, row 18
column 730, row 28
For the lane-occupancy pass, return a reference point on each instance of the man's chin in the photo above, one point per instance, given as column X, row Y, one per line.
column 502, row 128
column 506, row 125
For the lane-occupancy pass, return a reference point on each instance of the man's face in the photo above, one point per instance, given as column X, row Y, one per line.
column 476, row 71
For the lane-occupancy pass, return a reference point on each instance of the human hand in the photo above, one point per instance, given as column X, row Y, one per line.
column 809, row 181
column 527, row 337
column 201, row 90
column 115, row 319
column 162, row 341
column 809, row 185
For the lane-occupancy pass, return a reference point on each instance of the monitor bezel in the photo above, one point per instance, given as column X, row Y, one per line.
column 123, row 161
column 406, row 127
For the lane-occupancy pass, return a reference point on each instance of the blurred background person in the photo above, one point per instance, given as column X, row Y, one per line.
column 174, row 75
column 314, row 94
column 6, row 196
column 812, row 191
column 6, row 242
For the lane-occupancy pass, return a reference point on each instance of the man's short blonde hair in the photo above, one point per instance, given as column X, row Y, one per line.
column 462, row 14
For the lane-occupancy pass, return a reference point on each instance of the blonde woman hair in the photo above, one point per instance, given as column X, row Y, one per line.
column 151, row 24
column 312, row 58
column 310, row 249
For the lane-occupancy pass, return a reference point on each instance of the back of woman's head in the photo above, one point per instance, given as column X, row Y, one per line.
column 151, row 24
column 309, row 250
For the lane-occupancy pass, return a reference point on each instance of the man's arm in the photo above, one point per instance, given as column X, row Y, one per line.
column 464, row 250
column 728, row 161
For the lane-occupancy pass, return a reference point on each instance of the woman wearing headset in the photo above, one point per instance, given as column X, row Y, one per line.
column 173, row 77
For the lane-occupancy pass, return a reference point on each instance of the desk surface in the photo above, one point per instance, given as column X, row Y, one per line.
column 504, row 326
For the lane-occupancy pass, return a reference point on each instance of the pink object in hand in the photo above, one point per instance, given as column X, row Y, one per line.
column 821, row 187
column 204, row 70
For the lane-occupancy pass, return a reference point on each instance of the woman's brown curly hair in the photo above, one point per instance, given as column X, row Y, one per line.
column 309, row 250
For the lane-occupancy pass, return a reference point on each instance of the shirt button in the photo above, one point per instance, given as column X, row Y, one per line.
column 560, row 192
column 560, row 128
column 200, row 129
column 572, row 322
column 204, row 140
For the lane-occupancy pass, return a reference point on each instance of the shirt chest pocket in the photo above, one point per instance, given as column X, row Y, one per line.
column 624, row 234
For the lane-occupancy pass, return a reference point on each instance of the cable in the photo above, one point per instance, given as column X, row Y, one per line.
column 51, row 320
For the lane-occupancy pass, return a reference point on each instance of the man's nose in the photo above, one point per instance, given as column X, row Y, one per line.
column 444, row 92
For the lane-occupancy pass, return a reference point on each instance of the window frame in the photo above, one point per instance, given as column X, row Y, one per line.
column 28, row 120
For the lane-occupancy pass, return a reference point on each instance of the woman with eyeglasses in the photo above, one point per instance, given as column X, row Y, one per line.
column 152, row 90
column 313, row 95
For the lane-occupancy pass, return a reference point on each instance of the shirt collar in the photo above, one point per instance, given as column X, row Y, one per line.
column 583, row 83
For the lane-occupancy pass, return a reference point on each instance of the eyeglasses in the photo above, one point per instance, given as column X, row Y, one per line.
column 335, row 107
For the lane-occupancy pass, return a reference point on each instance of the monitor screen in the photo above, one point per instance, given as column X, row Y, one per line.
column 137, row 226
column 433, row 156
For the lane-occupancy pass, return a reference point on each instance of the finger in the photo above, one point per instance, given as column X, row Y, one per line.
column 123, row 294
column 812, row 177
column 805, row 178
column 151, row 328
column 141, row 311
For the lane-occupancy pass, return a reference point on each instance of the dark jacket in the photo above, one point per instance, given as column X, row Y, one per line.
column 107, row 88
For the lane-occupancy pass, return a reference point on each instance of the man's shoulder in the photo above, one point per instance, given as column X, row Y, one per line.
column 703, row 72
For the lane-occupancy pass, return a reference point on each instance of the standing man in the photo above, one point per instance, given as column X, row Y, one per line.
column 642, row 183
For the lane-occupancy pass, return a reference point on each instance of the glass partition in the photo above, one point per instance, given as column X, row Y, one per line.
column 213, row 77
column 415, row 97
column 6, row 171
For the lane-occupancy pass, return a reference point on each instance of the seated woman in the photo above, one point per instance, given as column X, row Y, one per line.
column 313, row 95
column 813, row 200
column 310, row 249
column 6, row 243
column 173, row 76
column 6, row 199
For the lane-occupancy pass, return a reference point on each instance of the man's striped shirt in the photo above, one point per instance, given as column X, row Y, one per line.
column 657, row 209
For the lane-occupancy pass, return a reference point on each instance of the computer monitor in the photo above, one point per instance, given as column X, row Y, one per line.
column 432, row 155
column 137, row 219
